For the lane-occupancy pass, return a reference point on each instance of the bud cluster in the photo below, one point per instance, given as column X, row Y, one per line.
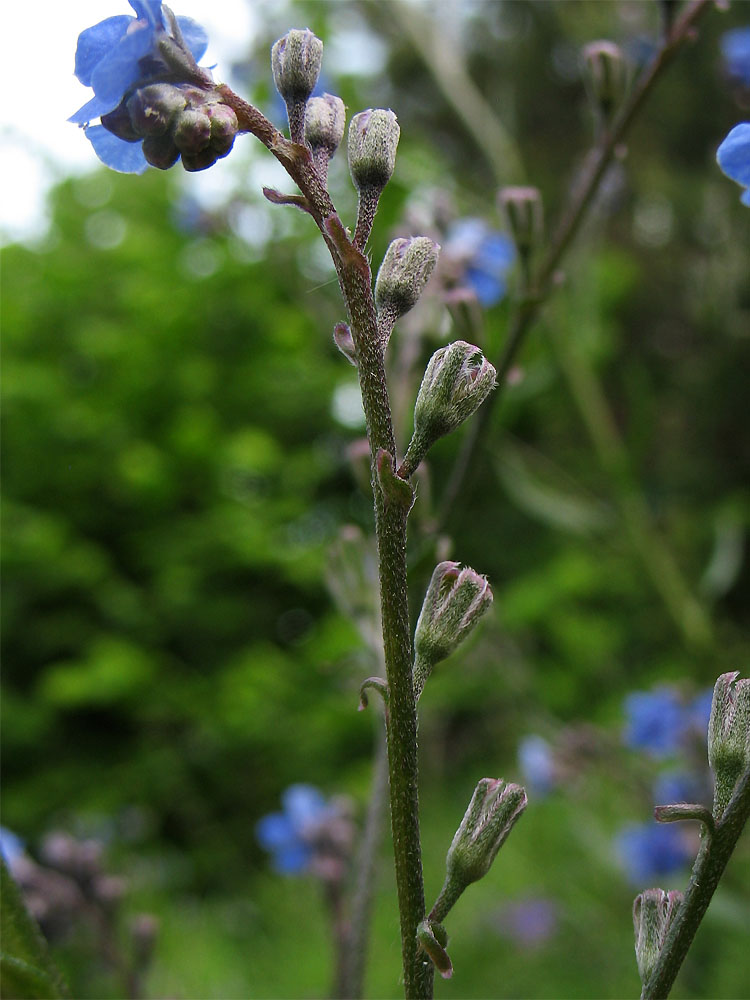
column 173, row 121
column 456, row 382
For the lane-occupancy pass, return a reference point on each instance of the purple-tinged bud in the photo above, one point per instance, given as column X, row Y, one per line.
column 494, row 809
column 653, row 912
column 160, row 151
column 455, row 601
column 406, row 268
column 325, row 121
column 729, row 737
column 522, row 209
column 372, row 143
column 606, row 76
column 152, row 109
column 224, row 127
column 456, row 382
column 192, row 131
column 119, row 123
column 296, row 60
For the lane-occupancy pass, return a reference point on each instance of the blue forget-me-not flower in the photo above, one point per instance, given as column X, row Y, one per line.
column 735, row 48
column 153, row 102
column 733, row 156
column 289, row 836
column 651, row 850
column 483, row 255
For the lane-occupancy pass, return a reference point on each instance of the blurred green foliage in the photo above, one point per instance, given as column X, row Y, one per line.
column 175, row 474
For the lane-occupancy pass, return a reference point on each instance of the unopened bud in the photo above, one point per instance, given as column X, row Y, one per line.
column 224, row 126
column 455, row 601
column 653, row 912
column 522, row 208
column 456, row 382
column 118, row 122
column 729, row 737
column 296, row 60
column 192, row 131
column 606, row 76
column 372, row 143
column 160, row 151
column 493, row 811
column 406, row 268
column 325, row 120
column 152, row 109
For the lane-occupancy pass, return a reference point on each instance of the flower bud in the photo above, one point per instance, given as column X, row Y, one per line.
column 325, row 120
column 522, row 208
column 152, row 109
column 192, row 131
column 160, row 151
column 606, row 76
column 296, row 60
column 653, row 912
column 455, row 601
column 493, row 811
column 729, row 737
column 457, row 381
column 372, row 144
column 406, row 268
column 118, row 122
column 224, row 126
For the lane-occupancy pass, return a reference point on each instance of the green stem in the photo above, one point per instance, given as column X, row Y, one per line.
column 708, row 869
column 355, row 281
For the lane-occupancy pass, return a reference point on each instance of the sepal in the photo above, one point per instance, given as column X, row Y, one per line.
column 433, row 940
column 653, row 912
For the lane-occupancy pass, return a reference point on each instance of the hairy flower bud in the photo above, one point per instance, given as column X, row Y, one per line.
column 325, row 120
column 192, row 131
column 224, row 127
column 493, row 811
column 455, row 601
column 457, row 381
column 653, row 912
column 406, row 268
column 296, row 60
column 729, row 736
column 372, row 144
column 606, row 76
column 522, row 209
column 160, row 151
column 152, row 109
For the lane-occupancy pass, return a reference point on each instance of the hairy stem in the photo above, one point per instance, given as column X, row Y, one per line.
column 708, row 869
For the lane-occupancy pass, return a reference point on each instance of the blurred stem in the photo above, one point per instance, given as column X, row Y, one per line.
column 355, row 281
column 443, row 58
column 352, row 969
column 654, row 553
column 544, row 279
column 709, row 866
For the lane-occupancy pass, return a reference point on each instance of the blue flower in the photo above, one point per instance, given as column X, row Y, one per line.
column 289, row 835
column 11, row 846
column 115, row 55
column 656, row 721
column 485, row 256
column 651, row 850
column 733, row 156
column 676, row 786
column 735, row 48
column 537, row 764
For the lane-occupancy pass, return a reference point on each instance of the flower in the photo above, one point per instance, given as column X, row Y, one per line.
column 483, row 257
column 529, row 922
column 677, row 786
column 289, row 835
column 735, row 48
column 656, row 721
column 11, row 846
column 537, row 764
column 649, row 850
column 116, row 55
column 733, row 156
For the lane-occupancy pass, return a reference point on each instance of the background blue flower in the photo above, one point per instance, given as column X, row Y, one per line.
column 656, row 721
column 287, row 835
column 486, row 255
column 114, row 55
column 733, row 156
column 537, row 764
column 735, row 48
column 651, row 850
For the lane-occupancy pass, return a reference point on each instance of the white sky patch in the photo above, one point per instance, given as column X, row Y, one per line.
column 38, row 146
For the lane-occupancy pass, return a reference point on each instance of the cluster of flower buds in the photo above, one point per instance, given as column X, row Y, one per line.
column 456, row 382
column 729, row 737
column 606, row 76
column 455, row 601
column 173, row 121
column 406, row 268
column 653, row 912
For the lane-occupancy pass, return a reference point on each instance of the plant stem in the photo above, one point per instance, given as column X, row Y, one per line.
column 355, row 281
column 709, row 866
column 597, row 162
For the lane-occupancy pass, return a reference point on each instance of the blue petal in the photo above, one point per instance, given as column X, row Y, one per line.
column 119, row 68
column 487, row 287
column 91, row 110
column 657, row 721
column 274, row 832
column 735, row 47
column 304, row 805
column 650, row 851
column 194, row 35
column 733, row 156
column 94, row 43
column 148, row 10
column 293, row 859
column 496, row 253
column 126, row 157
